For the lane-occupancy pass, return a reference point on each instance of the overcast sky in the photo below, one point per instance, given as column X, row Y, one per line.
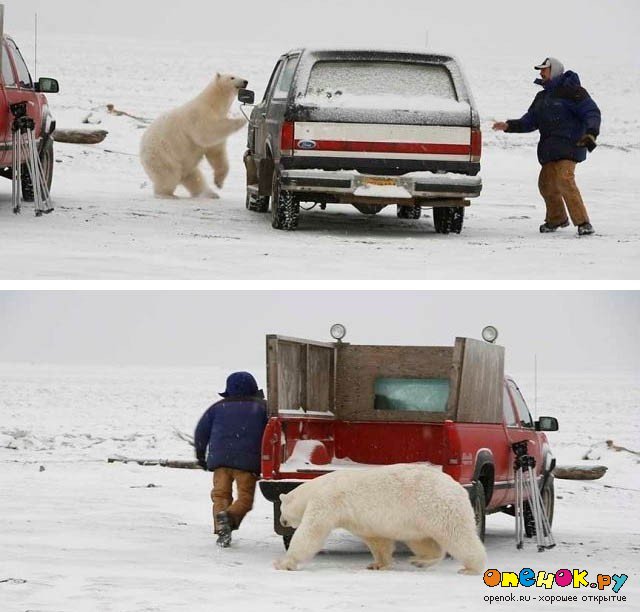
column 570, row 29
column 569, row 331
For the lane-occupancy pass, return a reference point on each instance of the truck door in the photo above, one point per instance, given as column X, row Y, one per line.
column 275, row 129
column 24, row 90
column 524, row 429
column 259, row 114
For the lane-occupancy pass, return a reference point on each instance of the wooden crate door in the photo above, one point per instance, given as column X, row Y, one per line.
column 300, row 375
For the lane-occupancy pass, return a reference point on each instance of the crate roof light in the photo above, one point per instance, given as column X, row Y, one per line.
column 338, row 331
column 490, row 334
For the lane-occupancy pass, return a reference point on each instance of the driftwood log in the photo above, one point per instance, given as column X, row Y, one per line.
column 579, row 472
column 171, row 463
column 79, row 136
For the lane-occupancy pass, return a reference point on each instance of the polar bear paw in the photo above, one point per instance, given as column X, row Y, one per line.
column 376, row 565
column 469, row 572
column 285, row 563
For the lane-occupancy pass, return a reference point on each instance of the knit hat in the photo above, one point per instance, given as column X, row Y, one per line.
column 240, row 384
column 557, row 67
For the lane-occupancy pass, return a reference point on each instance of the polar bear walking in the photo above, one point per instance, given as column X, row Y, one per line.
column 418, row 505
column 175, row 143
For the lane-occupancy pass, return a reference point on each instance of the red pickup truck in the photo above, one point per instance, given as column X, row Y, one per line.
column 17, row 86
column 344, row 406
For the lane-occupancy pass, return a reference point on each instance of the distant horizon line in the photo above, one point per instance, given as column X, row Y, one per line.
column 606, row 371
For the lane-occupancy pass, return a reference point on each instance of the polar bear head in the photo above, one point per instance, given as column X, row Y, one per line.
column 293, row 505
column 229, row 83
column 221, row 91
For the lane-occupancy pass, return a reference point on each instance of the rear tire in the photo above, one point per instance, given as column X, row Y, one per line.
column 447, row 219
column 409, row 212
column 285, row 207
column 46, row 159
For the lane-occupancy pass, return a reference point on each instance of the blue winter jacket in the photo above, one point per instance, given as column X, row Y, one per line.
column 563, row 112
column 232, row 430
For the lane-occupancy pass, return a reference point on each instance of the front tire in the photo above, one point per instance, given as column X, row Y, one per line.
column 447, row 219
column 257, row 203
column 548, row 503
column 409, row 212
column 46, row 160
column 285, row 207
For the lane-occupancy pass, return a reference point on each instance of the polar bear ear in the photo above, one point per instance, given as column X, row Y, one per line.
column 217, row 75
column 282, row 496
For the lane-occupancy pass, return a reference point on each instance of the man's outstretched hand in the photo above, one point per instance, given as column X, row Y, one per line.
column 589, row 141
column 500, row 126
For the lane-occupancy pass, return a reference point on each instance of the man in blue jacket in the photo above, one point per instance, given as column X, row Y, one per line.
column 232, row 431
column 569, row 123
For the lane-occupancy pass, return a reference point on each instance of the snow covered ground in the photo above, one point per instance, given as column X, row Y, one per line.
column 107, row 225
column 81, row 534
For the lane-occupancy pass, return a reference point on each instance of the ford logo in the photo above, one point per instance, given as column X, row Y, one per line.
column 307, row 144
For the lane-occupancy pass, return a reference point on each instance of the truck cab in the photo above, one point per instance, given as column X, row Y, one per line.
column 345, row 406
column 370, row 128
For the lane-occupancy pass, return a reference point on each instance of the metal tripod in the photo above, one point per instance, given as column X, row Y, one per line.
column 23, row 147
column 527, row 489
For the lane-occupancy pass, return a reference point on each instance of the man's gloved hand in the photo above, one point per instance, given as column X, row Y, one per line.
column 201, row 461
column 589, row 141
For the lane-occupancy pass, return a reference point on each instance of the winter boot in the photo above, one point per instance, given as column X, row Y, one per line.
column 546, row 227
column 585, row 229
column 224, row 530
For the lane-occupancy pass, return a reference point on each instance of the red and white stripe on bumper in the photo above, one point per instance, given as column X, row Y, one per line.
column 385, row 141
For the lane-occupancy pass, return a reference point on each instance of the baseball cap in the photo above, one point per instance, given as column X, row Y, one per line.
column 545, row 64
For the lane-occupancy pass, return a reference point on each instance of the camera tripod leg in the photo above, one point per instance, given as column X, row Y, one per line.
column 16, row 179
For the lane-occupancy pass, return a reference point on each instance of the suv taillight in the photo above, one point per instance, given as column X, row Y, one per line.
column 476, row 144
column 286, row 138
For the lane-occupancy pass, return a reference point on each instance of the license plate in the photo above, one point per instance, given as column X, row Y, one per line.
column 378, row 180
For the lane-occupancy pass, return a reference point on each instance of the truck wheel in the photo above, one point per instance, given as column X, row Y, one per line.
column 409, row 212
column 447, row 219
column 548, row 503
column 285, row 207
column 479, row 504
column 46, row 159
column 257, row 203
column 286, row 540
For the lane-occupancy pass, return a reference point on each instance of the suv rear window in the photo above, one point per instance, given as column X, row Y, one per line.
column 415, row 394
column 357, row 81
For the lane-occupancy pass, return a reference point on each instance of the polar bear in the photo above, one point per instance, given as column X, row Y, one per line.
column 173, row 145
column 416, row 504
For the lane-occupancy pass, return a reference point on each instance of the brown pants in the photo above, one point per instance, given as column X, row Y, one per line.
column 557, row 185
column 222, row 494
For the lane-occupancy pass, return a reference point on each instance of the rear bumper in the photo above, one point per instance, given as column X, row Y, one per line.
column 271, row 489
column 415, row 187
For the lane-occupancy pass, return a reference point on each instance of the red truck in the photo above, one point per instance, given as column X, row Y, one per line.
column 344, row 406
column 17, row 86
